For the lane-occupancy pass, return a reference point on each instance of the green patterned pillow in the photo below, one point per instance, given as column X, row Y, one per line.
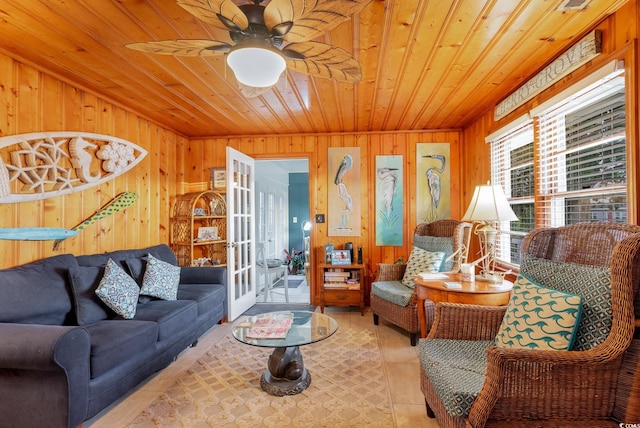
column 161, row 279
column 592, row 283
column 437, row 243
column 118, row 290
column 421, row 261
column 538, row 317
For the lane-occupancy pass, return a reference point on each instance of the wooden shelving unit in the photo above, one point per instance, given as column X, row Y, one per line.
column 191, row 212
column 336, row 291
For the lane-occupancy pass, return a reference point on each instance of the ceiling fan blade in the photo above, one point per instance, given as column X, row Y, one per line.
column 281, row 30
column 310, row 18
column 182, row 47
column 210, row 11
column 323, row 60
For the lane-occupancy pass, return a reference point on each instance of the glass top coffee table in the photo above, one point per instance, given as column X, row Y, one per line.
column 286, row 374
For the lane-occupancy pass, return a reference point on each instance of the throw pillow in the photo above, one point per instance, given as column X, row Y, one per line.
column 118, row 290
column 538, row 317
column 435, row 244
column 593, row 283
column 161, row 279
column 84, row 282
column 421, row 261
column 136, row 268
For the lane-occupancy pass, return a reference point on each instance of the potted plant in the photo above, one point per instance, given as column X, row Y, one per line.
column 295, row 260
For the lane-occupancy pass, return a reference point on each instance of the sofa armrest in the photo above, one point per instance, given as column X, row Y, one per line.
column 390, row 272
column 44, row 375
column 203, row 275
column 466, row 322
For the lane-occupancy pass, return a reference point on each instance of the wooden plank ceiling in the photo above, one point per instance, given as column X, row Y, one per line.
column 426, row 64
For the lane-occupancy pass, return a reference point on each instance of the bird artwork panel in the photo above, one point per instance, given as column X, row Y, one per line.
column 344, row 191
column 389, row 200
column 433, row 181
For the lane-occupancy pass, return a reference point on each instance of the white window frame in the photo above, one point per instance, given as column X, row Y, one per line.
column 594, row 85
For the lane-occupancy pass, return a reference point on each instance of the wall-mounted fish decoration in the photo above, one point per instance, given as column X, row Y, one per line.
column 36, row 233
column 46, row 164
column 120, row 202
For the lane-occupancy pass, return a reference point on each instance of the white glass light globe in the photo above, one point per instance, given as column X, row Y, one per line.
column 256, row 67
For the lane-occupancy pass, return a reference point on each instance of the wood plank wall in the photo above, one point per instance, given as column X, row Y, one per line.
column 619, row 41
column 32, row 101
column 205, row 153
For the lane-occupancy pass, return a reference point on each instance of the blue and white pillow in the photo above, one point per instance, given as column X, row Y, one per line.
column 538, row 317
column 421, row 261
column 161, row 279
column 437, row 244
column 118, row 290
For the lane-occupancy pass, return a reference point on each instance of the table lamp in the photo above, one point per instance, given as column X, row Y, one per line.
column 488, row 207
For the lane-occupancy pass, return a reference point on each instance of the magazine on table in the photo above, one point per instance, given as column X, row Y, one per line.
column 271, row 326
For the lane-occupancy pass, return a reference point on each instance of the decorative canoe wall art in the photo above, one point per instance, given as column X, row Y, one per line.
column 49, row 164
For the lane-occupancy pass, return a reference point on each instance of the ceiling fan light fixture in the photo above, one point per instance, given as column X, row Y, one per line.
column 256, row 66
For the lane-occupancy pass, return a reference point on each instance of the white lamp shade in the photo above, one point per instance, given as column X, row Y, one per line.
column 257, row 67
column 489, row 204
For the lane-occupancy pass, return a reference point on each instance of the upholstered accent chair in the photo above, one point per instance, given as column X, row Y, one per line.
column 397, row 303
column 469, row 379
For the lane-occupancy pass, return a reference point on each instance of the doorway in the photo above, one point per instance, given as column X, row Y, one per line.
column 282, row 211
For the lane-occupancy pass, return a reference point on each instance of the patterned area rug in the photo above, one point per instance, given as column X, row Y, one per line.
column 222, row 389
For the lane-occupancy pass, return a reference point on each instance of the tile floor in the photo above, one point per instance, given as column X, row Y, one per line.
column 401, row 366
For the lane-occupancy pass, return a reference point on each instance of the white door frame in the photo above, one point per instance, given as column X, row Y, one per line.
column 241, row 245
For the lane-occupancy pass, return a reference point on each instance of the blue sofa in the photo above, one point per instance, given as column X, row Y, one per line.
column 65, row 356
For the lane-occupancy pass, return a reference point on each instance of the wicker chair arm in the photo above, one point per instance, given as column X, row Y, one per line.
column 390, row 272
column 466, row 322
column 557, row 378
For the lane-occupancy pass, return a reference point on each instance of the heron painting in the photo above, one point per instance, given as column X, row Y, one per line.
column 344, row 191
column 389, row 200
column 433, row 181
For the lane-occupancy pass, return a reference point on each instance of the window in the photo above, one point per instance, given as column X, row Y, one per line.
column 512, row 168
column 572, row 170
column 583, row 167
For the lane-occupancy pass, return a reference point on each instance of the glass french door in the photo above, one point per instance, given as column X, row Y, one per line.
column 241, row 246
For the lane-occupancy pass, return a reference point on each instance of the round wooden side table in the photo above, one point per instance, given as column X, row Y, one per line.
column 474, row 293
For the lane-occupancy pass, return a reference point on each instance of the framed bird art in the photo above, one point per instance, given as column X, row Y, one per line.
column 344, row 191
column 389, row 199
column 433, row 180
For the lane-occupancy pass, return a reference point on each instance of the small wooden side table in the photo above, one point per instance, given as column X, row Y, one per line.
column 474, row 293
column 334, row 290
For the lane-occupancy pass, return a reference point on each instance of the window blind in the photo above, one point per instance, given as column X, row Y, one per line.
column 574, row 168
column 582, row 157
column 512, row 169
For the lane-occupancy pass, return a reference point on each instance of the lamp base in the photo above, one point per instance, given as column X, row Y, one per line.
column 490, row 277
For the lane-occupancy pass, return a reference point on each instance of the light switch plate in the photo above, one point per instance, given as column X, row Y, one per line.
column 319, row 218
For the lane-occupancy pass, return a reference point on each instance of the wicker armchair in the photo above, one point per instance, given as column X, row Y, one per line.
column 580, row 388
column 406, row 317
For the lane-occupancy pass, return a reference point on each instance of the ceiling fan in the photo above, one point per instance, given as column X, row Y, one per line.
column 268, row 39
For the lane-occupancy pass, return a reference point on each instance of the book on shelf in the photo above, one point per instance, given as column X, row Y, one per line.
column 337, row 274
column 271, row 326
column 342, row 285
column 353, row 285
